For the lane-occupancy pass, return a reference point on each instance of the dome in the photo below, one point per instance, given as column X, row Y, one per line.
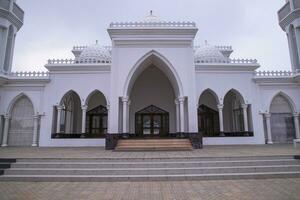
column 152, row 18
column 94, row 54
column 209, row 54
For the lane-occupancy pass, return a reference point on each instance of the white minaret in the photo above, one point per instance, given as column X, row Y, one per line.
column 289, row 20
column 11, row 20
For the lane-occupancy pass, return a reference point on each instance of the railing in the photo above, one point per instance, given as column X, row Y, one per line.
column 79, row 48
column 229, row 134
column 224, row 48
column 29, row 74
column 77, row 61
column 284, row 11
column 275, row 73
column 151, row 24
column 18, row 12
column 4, row 4
column 228, row 61
column 76, row 136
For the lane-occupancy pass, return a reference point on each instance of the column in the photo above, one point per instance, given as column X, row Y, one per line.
column 108, row 114
column 125, row 110
column 268, row 123
column 5, row 132
column 83, row 118
column 297, row 35
column 35, row 130
column 245, row 114
column 296, row 121
column 59, row 109
column 181, row 110
column 177, row 116
column 221, row 123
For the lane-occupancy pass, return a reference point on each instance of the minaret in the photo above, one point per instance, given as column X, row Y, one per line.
column 11, row 20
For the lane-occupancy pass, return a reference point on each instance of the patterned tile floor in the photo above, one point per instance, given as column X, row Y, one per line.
column 269, row 189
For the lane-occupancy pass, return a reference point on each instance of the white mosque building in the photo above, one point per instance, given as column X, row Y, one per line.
column 152, row 82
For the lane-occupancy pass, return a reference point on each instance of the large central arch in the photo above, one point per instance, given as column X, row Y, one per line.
column 155, row 58
column 153, row 83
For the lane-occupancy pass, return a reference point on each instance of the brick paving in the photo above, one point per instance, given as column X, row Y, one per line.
column 270, row 189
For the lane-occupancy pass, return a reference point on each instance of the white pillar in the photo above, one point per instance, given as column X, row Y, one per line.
column 83, row 118
column 181, row 108
column 59, row 108
column 221, row 123
column 108, row 114
column 35, row 130
column 177, row 116
column 296, row 122
column 125, row 110
column 5, row 132
column 268, row 123
column 245, row 114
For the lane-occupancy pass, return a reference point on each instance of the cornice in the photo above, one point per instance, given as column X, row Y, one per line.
column 78, row 67
column 289, row 18
column 226, row 67
column 11, row 17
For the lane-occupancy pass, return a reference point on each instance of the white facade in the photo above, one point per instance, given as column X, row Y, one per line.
column 151, row 64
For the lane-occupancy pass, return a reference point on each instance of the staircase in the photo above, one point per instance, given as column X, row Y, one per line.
column 154, row 145
column 151, row 169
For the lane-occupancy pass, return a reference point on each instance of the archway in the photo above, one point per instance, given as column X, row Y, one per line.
column 71, row 113
column 282, row 122
column 21, row 124
column 208, row 115
column 236, row 115
column 96, row 115
column 153, row 84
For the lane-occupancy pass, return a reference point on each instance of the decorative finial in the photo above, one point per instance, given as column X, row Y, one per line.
column 151, row 12
column 96, row 41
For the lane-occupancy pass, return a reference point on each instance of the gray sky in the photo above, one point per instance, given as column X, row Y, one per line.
column 52, row 28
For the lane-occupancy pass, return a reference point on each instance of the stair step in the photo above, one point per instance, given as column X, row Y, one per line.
column 177, row 177
column 151, row 171
column 154, row 145
column 170, row 164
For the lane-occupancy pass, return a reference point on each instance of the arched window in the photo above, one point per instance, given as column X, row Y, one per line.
column 282, row 123
column 208, row 115
column 70, row 121
column 96, row 116
column 21, row 125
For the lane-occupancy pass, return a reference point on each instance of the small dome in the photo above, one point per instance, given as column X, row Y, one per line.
column 94, row 54
column 209, row 54
column 152, row 18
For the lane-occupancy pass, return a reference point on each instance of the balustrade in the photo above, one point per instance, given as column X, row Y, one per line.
column 151, row 24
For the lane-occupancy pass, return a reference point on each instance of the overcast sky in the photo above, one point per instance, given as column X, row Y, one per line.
column 52, row 28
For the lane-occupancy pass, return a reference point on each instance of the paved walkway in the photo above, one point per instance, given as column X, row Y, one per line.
column 272, row 189
column 269, row 189
column 94, row 152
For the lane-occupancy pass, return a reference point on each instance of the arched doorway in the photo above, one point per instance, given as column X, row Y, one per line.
column 71, row 114
column 153, row 83
column 96, row 115
column 21, row 124
column 282, row 122
column 152, row 107
column 208, row 115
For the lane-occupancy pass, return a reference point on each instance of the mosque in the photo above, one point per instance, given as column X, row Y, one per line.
column 152, row 82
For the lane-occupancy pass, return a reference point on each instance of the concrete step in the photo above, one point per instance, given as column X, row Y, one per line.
column 177, row 177
column 156, row 164
column 151, row 171
column 179, row 158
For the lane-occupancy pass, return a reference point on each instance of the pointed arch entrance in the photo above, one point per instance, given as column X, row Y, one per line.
column 152, row 83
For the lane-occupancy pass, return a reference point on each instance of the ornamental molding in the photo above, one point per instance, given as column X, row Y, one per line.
column 226, row 67
column 11, row 18
column 82, row 67
column 289, row 18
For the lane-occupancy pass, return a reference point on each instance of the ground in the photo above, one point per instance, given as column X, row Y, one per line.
column 269, row 189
